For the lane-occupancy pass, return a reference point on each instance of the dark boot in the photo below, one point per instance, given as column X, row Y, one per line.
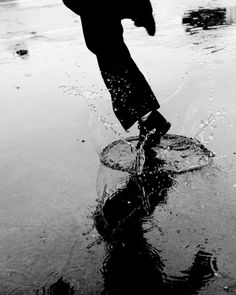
column 152, row 129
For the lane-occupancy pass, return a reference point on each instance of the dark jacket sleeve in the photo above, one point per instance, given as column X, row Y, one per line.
column 120, row 8
column 85, row 7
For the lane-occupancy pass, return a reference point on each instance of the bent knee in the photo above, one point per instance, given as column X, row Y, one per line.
column 67, row 3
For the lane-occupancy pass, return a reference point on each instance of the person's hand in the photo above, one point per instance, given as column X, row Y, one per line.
column 142, row 15
column 146, row 21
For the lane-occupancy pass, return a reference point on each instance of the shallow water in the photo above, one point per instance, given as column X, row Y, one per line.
column 49, row 169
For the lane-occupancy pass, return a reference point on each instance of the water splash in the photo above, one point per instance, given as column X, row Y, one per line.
column 98, row 120
column 176, row 154
column 103, row 132
column 208, row 124
column 178, row 88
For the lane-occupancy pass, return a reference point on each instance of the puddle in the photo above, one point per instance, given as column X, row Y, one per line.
column 136, row 259
column 209, row 18
column 138, row 268
column 175, row 154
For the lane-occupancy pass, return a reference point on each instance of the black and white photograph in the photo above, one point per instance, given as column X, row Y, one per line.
column 117, row 147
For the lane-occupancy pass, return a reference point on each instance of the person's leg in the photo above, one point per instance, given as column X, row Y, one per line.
column 131, row 95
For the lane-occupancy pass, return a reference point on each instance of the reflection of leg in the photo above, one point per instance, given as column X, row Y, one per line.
column 196, row 277
column 126, row 202
column 119, row 210
column 201, row 271
column 203, row 267
column 133, row 267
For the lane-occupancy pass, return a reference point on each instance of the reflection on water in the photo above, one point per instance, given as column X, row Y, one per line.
column 132, row 265
column 138, row 268
column 207, row 18
column 59, row 287
column 124, row 199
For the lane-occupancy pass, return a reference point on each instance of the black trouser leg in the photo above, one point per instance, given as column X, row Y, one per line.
column 131, row 95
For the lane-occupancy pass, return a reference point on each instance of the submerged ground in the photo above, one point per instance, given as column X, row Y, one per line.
column 55, row 115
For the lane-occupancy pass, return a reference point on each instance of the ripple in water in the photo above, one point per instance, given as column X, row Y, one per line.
column 203, row 269
column 175, row 154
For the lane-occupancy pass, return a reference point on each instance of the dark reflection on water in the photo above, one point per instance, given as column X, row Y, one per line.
column 209, row 18
column 135, row 267
column 60, row 287
column 132, row 265
column 121, row 205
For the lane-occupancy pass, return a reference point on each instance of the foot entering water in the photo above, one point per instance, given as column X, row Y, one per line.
column 152, row 128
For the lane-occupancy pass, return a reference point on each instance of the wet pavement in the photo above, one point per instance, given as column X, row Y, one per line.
column 55, row 117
